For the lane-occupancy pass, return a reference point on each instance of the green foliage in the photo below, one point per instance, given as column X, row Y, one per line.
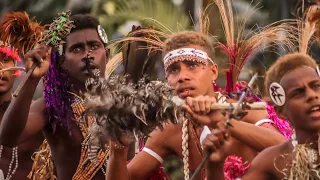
column 174, row 167
column 156, row 13
column 43, row 10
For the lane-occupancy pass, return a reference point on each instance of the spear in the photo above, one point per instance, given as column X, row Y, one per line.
column 228, row 122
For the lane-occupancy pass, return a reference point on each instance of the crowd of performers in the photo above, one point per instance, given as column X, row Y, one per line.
column 88, row 123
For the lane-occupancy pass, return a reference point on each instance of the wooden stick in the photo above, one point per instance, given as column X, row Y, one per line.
column 225, row 106
column 231, row 106
column 24, row 80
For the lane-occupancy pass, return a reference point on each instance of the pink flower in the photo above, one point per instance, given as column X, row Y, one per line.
column 234, row 167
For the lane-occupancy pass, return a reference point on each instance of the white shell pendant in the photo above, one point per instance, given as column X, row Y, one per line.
column 277, row 94
column 1, row 175
column 103, row 35
column 318, row 71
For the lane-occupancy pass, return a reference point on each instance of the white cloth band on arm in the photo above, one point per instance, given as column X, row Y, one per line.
column 153, row 154
column 263, row 121
column 206, row 129
column 204, row 134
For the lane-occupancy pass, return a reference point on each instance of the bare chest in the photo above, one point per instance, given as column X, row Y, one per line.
column 17, row 161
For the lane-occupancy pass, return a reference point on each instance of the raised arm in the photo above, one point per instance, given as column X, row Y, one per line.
column 143, row 164
column 117, row 163
column 21, row 121
column 245, row 131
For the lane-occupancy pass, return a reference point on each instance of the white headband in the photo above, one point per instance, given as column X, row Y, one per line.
column 186, row 54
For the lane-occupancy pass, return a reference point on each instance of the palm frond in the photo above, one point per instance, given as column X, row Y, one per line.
column 163, row 15
column 307, row 29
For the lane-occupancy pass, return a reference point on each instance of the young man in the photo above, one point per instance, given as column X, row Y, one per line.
column 293, row 84
column 57, row 114
column 190, row 70
column 15, row 162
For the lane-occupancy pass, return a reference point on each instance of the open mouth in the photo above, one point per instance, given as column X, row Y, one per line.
column 185, row 92
column 314, row 111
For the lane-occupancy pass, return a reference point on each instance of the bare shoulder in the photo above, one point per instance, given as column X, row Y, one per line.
column 38, row 105
column 169, row 130
column 271, row 152
column 264, row 165
column 163, row 141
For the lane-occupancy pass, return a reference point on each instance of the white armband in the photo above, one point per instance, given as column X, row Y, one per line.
column 263, row 121
column 153, row 154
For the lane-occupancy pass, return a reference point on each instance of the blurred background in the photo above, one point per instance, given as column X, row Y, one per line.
column 118, row 16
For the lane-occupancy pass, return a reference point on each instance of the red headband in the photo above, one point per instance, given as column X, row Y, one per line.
column 10, row 52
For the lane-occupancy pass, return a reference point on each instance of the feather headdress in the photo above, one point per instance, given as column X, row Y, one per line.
column 18, row 34
column 239, row 49
column 307, row 28
column 314, row 19
column 19, row 31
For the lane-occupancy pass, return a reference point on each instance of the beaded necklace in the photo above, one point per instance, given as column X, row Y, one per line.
column 14, row 159
column 86, row 169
